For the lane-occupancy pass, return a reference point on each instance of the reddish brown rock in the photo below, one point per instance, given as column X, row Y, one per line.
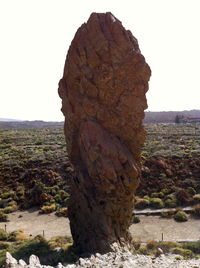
column 103, row 100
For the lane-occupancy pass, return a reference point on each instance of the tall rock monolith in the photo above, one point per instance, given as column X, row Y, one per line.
column 103, row 100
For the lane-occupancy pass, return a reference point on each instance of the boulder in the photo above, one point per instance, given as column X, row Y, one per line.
column 103, row 100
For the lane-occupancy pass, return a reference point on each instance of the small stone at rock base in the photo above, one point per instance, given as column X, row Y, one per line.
column 10, row 260
column 159, row 252
column 59, row 265
column 22, row 263
column 71, row 266
column 82, row 261
column 34, row 260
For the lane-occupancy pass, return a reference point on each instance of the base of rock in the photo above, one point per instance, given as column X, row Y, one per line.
column 120, row 259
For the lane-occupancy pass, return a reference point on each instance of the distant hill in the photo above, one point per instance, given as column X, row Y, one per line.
column 28, row 124
column 9, row 120
column 150, row 117
column 169, row 117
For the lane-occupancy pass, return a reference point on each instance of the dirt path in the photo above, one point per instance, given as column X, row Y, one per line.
column 150, row 227
column 33, row 224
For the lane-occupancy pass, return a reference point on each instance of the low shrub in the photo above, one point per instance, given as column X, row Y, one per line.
column 166, row 191
column 152, row 244
column 181, row 251
column 141, row 203
column 158, row 195
column 20, row 236
column 3, row 217
column 3, row 235
column 40, row 247
column 181, row 216
column 7, row 194
column 11, row 208
column 193, row 246
column 178, row 258
column 143, row 251
column 136, row 244
column 12, row 236
column 196, row 198
column 167, row 245
column 60, row 241
column 156, row 203
column 48, row 209
column 171, row 200
column 146, row 197
column 136, row 219
column 191, row 190
column 169, row 203
column 62, row 212
column 4, row 245
column 167, row 214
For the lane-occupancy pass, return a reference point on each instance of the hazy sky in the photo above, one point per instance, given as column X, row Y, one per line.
column 35, row 36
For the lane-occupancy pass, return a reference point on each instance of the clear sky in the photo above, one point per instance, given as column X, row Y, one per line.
column 36, row 34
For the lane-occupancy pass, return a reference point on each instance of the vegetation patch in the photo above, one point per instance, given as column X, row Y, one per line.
column 180, row 216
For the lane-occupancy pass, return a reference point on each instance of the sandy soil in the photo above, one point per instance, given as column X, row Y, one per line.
column 33, row 223
column 150, row 227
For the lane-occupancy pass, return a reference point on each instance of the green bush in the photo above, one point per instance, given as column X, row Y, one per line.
column 152, row 244
column 48, row 209
column 196, row 198
column 62, row 212
column 167, row 245
column 158, row 195
column 171, row 201
column 136, row 244
column 12, row 206
column 136, row 219
column 12, row 236
column 47, row 255
column 156, row 203
column 3, row 235
column 143, row 251
column 3, row 217
column 191, row 190
column 181, row 251
column 193, row 246
column 4, row 245
column 180, row 216
column 141, row 203
column 7, row 195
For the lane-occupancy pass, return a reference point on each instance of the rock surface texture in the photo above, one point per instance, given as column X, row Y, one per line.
column 103, row 100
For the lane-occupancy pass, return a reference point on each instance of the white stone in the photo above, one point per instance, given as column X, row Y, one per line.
column 22, row 263
column 34, row 260
column 82, row 261
column 10, row 260
column 98, row 255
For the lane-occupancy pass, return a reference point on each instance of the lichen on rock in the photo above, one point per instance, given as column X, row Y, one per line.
column 103, row 100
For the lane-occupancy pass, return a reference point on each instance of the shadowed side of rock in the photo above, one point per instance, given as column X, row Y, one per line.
column 103, row 100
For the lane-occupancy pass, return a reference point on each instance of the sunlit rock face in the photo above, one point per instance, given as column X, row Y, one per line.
column 103, row 100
